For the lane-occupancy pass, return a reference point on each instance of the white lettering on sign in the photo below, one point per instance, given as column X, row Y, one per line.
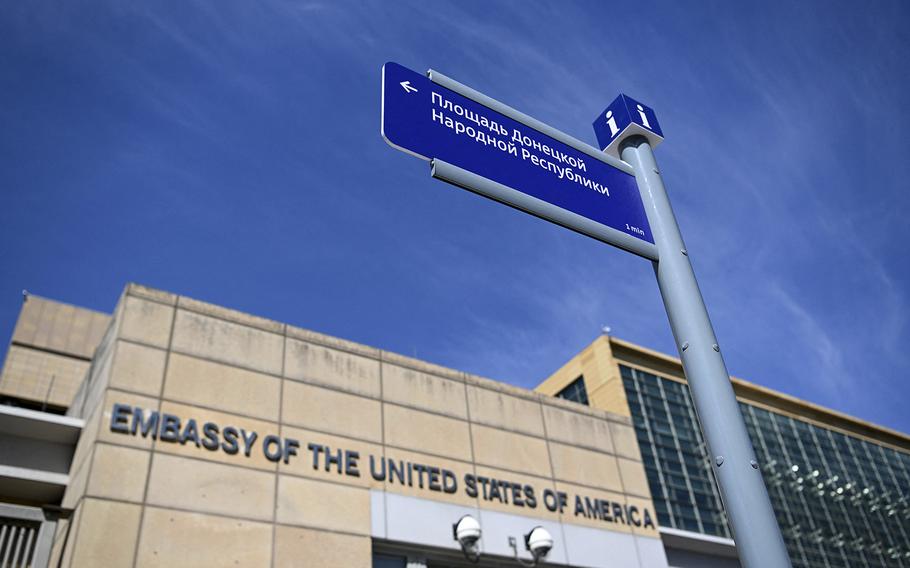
column 644, row 117
column 556, row 161
column 611, row 123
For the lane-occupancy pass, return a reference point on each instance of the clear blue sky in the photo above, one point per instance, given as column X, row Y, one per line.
column 230, row 151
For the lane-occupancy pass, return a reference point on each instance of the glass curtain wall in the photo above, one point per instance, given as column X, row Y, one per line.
column 841, row 501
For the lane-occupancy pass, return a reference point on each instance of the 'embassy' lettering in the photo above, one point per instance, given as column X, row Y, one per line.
column 133, row 420
column 165, row 427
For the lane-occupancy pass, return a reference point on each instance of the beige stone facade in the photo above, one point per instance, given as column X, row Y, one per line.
column 143, row 500
column 50, row 352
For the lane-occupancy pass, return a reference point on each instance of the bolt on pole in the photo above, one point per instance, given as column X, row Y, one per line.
column 755, row 530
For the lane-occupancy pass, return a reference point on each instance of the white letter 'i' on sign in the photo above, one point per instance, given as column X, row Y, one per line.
column 611, row 122
column 644, row 119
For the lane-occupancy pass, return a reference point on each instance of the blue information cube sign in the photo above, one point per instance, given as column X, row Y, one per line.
column 430, row 121
column 623, row 118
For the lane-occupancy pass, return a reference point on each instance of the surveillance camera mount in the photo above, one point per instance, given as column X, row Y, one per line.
column 513, row 542
column 471, row 553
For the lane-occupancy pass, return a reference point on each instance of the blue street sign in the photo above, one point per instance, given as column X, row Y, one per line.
column 432, row 122
column 623, row 118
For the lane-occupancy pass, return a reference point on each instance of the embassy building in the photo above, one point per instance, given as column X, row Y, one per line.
column 840, row 487
column 179, row 433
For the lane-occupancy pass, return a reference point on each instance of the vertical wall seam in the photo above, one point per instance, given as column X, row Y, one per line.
column 546, row 435
column 148, row 472
column 385, row 509
column 79, row 503
column 91, row 451
column 469, row 420
column 284, row 350
column 467, row 408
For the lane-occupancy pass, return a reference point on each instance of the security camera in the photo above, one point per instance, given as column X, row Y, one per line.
column 467, row 532
column 539, row 542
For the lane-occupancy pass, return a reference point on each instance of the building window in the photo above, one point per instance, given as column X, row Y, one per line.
column 385, row 561
column 576, row 391
column 842, row 501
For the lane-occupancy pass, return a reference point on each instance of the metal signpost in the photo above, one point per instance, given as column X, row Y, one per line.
column 482, row 145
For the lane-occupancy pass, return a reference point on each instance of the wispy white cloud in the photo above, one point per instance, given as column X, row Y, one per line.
column 818, row 351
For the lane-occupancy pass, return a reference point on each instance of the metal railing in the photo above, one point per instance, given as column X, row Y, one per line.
column 18, row 538
column 27, row 534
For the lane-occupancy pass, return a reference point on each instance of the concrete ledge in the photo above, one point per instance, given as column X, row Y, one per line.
column 140, row 291
column 31, row 485
column 231, row 315
column 333, row 342
column 37, row 425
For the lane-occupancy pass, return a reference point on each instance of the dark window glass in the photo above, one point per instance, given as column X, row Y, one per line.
column 576, row 391
column 382, row 561
column 840, row 500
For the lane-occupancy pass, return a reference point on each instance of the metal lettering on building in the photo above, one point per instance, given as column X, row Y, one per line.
column 164, row 427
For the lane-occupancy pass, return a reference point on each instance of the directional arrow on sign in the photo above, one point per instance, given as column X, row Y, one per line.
column 406, row 85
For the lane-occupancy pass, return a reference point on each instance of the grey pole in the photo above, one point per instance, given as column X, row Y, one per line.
column 758, row 539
